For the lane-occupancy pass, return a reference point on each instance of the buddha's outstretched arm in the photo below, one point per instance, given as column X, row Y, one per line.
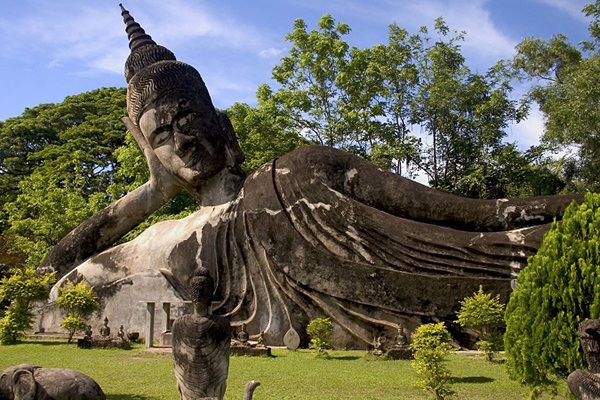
column 103, row 229
column 364, row 182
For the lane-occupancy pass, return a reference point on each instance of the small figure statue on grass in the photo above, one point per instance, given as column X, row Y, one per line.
column 378, row 345
column 105, row 330
column 201, row 344
column 401, row 347
column 260, row 341
column 88, row 332
column 121, row 333
column 242, row 336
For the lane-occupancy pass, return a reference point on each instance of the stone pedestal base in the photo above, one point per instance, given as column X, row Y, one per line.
column 399, row 353
column 251, row 351
column 166, row 339
column 102, row 343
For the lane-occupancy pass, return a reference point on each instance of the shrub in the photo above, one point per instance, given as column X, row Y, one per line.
column 485, row 315
column 22, row 288
column 559, row 288
column 79, row 302
column 320, row 331
column 430, row 346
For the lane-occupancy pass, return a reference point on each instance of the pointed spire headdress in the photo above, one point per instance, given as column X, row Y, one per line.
column 152, row 71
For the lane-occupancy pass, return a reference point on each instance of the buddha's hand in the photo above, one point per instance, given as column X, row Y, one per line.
column 160, row 177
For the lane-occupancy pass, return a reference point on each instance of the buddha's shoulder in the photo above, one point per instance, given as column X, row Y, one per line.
column 307, row 159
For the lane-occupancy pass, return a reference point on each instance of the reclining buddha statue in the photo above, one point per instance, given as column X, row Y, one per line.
column 315, row 233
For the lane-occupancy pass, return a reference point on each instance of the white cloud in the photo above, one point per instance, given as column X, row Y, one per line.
column 470, row 16
column 483, row 37
column 527, row 133
column 571, row 7
column 93, row 34
column 270, row 52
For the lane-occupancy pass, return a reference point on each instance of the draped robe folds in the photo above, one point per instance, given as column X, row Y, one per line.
column 322, row 233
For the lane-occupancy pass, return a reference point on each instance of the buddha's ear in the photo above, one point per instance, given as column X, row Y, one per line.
column 229, row 134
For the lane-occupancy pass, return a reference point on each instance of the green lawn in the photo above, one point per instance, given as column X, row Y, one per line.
column 287, row 375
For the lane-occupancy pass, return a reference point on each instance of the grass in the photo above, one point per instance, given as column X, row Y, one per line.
column 129, row 375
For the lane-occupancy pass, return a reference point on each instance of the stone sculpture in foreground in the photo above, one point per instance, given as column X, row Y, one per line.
column 315, row 233
column 201, row 344
column 29, row 382
column 585, row 384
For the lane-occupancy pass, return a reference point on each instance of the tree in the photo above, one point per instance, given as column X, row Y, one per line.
column 464, row 113
column 22, row 288
column 263, row 132
column 320, row 331
column 485, row 315
column 566, row 89
column 430, row 346
column 559, row 288
column 309, row 92
column 54, row 160
column 369, row 101
column 79, row 302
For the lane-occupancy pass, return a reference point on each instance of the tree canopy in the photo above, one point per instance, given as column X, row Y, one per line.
column 567, row 91
column 411, row 106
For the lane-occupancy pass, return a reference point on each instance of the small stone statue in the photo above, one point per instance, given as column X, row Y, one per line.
column 378, row 345
column 201, row 344
column 400, row 349
column 88, row 332
column 401, row 339
column 585, row 384
column 242, row 335
column 105, row 330
column 261, row 339
column 121, row 333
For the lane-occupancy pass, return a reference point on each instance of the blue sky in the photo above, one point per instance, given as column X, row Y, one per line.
column 52, row 49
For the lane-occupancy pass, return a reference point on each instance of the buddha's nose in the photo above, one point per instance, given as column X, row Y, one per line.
column 183, row 142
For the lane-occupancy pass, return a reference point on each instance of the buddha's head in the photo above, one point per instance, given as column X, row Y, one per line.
column 169, row 102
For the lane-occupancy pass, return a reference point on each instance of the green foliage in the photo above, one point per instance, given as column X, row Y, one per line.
column 55, row 158
column 320, row 331
column 15, row 322
column 430, row 346
column 485, row 315
column 566, row 89
column 21, row 288
column 79, row 302
column 74, row 324
column 262, row 132
column 559, row 288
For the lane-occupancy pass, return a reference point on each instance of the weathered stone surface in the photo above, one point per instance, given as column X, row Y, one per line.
column 585, row 384
column 302, row 240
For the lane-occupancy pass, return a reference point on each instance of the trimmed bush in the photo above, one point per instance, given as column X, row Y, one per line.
column 485, row 315
column 79, row 302
column 430, row 346
column 22, row 288
column 320, row 331
column 559, row 288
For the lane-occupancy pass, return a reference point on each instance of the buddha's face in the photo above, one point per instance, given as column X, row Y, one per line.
column 186, row 137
